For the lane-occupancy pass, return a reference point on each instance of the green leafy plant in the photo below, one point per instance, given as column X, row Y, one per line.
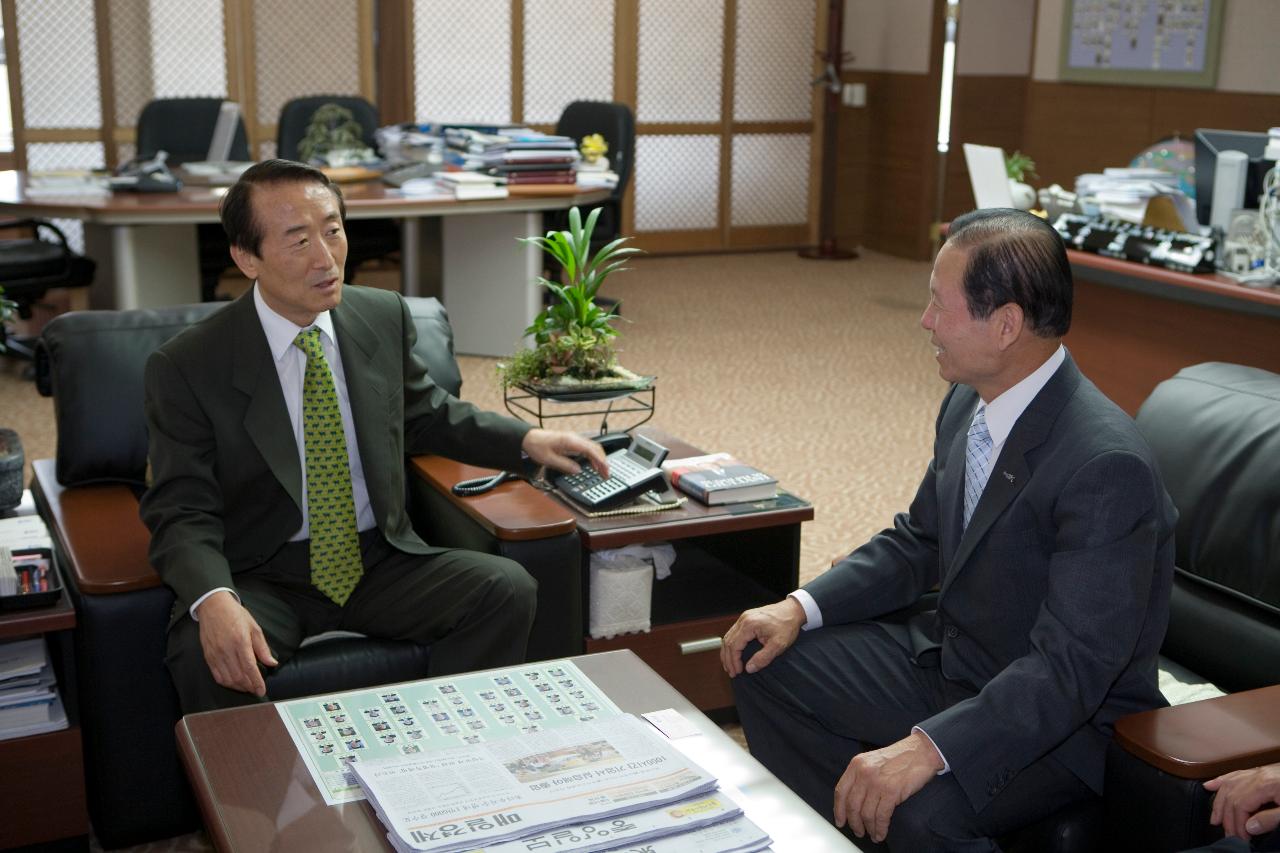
column 8, row 309
column 573, row 336
column 1019, row 166
column 333, row 130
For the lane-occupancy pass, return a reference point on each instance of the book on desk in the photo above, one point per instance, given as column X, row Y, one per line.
column 719, row 478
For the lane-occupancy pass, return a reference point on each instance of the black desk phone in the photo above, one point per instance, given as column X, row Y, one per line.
column 633, row 471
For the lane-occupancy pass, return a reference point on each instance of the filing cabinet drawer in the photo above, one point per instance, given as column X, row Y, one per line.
column 686, row 654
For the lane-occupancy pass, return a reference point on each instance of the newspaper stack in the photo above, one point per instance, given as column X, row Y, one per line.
column 591, row 786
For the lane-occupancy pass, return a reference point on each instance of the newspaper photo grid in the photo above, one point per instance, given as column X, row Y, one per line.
column 332, row 731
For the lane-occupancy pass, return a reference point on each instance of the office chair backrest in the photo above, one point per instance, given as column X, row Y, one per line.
column 183, row 127
column 611, row 120
column 296, row 115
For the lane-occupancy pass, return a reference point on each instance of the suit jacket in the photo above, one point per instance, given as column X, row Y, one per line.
column 226, row 489
column 1054, row 601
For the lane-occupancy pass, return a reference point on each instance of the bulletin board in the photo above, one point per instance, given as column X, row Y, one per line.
column 1141, row 42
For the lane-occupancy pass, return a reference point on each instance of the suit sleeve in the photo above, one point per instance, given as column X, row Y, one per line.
column 1107, row 526
column 898, row 564
column 183, row 505
column 437, row 422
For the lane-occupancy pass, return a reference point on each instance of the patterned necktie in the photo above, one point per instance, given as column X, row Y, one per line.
column 335, row 543
column 977, row 455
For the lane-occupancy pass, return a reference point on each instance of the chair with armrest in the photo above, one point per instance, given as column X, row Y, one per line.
column 92, row 364
column 1215, row 429
column 183, row 129
column 367, row 239
column 29, row 266
column 1215, row 432
column 615, row 123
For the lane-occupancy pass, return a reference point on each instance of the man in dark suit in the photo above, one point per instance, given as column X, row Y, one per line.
column 279, row 430
column 1045, row 524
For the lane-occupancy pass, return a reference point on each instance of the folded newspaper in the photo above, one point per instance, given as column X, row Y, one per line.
column 706, row 824
column 484, row 794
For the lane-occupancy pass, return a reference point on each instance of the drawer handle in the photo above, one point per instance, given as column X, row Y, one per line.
column 693, row 647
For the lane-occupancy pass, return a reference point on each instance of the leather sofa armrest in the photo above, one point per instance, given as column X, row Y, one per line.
column 99, row 532
column 513, row 512
column 1201, row 740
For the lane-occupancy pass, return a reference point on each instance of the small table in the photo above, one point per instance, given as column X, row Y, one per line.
column 256, row 794
column 729, row 558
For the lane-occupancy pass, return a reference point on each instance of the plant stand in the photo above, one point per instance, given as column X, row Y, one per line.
column 526, row 403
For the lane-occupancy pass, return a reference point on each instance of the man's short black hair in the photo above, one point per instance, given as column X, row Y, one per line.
column 236, row 209
column 1017, row 257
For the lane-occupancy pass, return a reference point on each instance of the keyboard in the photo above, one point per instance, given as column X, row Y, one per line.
column 1114, row 238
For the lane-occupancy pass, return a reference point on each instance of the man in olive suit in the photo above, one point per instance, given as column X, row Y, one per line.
column 279, row 431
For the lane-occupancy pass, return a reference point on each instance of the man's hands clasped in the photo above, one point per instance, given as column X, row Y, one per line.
column 233, row 644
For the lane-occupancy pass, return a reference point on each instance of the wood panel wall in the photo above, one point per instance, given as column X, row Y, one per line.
column 887, row 158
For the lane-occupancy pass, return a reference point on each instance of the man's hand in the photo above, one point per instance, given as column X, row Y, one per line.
column 876, row 782
column 1241, row 795
column 233, row 644
column 775, row 626
column 554, row 447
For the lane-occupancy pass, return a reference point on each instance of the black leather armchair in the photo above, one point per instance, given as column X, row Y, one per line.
column 1215, row 432
column 29, row 266
column 92, row 364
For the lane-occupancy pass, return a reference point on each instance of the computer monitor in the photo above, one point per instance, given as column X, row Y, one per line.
column 1208, row 144
column 224, row 133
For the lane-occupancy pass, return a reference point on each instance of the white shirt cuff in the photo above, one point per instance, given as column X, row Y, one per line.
column 813, row 616
column 200, row 600
column 946, row 765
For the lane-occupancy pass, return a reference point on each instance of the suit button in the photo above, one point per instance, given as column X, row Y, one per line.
column 952, row 632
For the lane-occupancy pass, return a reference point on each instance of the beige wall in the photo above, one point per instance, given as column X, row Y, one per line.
column 995, row 37
column 1247, row 58
column 888, row 35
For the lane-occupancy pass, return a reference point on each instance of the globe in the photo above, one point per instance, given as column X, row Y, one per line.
column 1176, row 156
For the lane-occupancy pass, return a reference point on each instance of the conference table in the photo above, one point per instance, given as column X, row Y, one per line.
column 464, row 252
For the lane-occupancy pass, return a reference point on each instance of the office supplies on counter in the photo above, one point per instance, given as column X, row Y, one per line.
column 1113, row 238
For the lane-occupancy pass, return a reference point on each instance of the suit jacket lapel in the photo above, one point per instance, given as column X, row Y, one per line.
column 1010, row 472
column 366, row 388
column 266, row 418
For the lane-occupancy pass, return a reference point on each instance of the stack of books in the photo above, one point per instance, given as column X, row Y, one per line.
column 29, row 701
column 526, row 161
column 471, row 185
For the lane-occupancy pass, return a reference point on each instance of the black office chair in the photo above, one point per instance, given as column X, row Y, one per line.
column 29, row 266
column 367, row 239
column 183, row 128
column 615, row 123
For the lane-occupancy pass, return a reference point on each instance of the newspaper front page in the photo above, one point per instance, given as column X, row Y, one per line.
column 468, row 797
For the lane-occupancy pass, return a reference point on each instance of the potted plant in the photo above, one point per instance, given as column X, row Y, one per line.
column 1019, row 167
column 573, row 337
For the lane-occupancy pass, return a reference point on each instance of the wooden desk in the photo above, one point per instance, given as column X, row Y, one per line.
column 1135, row 325
column 255, row 792
column 464, row 252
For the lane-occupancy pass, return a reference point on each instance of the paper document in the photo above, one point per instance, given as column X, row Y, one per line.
column 987, row 175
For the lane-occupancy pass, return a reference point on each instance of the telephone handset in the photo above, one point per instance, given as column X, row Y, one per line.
column 633, row 471
column 147, row 176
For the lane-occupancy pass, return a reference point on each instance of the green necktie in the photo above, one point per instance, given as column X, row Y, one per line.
column 335, row 543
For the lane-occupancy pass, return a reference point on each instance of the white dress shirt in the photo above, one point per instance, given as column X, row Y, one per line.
column 291, row 367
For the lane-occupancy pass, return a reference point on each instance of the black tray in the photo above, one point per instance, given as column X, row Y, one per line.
column 36, row 598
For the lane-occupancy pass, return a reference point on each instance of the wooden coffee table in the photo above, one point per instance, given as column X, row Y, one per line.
column 256, row 794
